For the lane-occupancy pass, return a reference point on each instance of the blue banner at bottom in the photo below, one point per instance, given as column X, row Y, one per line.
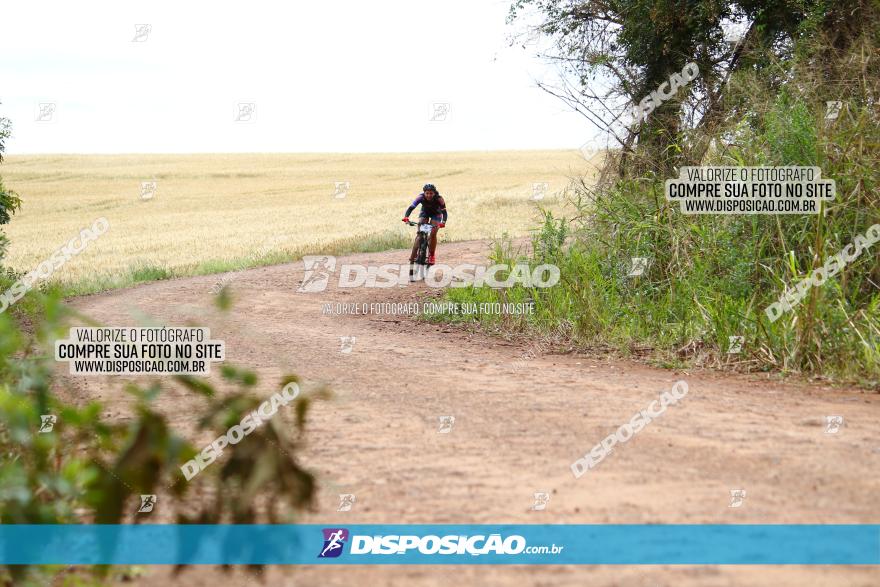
column 371, row 544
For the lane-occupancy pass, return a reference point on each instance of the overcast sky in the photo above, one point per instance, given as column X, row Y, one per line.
column 335, row 76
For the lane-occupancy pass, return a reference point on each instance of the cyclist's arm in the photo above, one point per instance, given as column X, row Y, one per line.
column 412, row 207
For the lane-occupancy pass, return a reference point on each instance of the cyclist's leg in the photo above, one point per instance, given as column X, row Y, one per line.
column 432, row 244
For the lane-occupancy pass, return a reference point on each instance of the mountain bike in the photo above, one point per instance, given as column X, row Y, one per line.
column 423, row 235
column 419, row 267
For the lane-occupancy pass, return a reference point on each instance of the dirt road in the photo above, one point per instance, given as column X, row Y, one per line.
column 519, row 424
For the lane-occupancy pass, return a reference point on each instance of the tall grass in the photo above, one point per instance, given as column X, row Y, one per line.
column 710, row 277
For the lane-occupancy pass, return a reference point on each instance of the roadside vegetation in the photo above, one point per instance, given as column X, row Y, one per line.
column 66, row 462
column 761, row 100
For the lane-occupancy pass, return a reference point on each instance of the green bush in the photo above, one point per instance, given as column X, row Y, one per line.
column 9, row 200
column 711, row 276
column 91, row 469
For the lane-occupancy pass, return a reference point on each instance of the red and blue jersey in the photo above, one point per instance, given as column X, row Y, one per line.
column 435, row 208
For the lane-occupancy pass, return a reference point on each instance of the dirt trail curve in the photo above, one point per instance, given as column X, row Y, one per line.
column 519, row 424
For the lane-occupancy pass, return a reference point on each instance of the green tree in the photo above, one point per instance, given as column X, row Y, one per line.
column 613, row 53
column 9, row 200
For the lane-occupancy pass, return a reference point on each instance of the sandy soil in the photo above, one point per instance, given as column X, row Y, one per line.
column 519, row 424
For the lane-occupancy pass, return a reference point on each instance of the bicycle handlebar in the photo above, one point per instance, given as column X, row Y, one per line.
column 411, row 223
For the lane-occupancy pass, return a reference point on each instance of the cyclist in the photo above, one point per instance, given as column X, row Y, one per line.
column 433, row 212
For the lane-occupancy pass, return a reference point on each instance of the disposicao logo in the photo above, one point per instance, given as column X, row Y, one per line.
column 334, row 541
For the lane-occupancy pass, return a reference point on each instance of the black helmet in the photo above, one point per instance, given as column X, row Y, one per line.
column 430, row 186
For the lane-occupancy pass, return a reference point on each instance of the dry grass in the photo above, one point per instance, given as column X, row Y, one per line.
column 216, row 212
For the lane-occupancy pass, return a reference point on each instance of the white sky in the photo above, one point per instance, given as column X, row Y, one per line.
column 339, row 76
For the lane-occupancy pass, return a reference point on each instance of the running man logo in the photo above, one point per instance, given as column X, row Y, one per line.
column 341, row 189
column 832, row 109
column 833, row 424
column 317, row 273
column 45, row 112
column 346, row 344
column 734, row 344
column 638, row 266
column 334, row 542
column 148, row 502
column 737, row 497
column 245, row 112
column 446, row 424
column 142, row 33
column 47, row 423
column 439, row 111
column 539, row 190
column 542, row 498
column 149, row 189
column 346, row 502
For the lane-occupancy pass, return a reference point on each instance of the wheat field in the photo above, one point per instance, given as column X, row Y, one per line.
column 214, row 212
